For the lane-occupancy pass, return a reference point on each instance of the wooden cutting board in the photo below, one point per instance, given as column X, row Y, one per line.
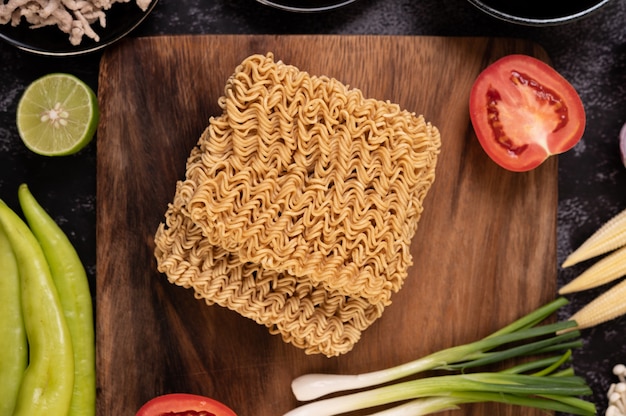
column 484, row 253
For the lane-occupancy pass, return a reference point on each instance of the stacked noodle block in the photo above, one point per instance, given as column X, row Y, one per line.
column 299, row 205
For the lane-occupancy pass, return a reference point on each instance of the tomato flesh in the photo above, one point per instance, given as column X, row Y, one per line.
column 182, row 404
column 523, row 112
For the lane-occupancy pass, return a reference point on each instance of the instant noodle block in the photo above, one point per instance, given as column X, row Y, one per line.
column 299, row 204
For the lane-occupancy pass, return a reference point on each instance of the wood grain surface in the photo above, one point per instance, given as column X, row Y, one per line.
column 484, row 253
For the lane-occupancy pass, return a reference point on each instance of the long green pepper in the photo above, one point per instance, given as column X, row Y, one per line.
column 46, row 388
column 13, row 344
column 70, row 279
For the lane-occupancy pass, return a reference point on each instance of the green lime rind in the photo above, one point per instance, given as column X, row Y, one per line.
column 57, row 115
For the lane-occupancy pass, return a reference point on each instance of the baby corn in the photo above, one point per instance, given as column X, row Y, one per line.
column 604, row 271
column 605, row 307
column 610, row 236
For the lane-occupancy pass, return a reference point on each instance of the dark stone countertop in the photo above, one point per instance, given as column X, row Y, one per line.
column 590, row 53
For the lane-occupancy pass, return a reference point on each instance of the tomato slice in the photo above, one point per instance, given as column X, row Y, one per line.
column 523, row 112
column 183, row 404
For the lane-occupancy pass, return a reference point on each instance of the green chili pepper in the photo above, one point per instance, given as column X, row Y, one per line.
column 46, row 388
column 72, row 284
column 13, row 344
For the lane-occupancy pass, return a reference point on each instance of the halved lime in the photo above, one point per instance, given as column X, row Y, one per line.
column 57, row 115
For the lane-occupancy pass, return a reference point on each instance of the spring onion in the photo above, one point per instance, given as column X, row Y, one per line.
column 539, row 383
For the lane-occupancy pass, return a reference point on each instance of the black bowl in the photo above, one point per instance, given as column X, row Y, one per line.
column 539, row 12
column 121, row 19
column 306, row 5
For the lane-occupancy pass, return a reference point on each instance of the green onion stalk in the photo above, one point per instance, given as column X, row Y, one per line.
column 544, row 381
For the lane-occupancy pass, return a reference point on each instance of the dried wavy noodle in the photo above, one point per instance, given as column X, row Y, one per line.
column 307, row 181
column 305, row 315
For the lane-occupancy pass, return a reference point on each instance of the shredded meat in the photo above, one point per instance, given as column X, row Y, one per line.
column 74, row 17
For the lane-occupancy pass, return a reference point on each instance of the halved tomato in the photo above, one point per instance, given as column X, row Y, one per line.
column 523, row 111
column 183, row 404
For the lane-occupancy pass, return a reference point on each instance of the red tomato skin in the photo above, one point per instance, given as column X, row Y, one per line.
column 184, row 404
column 521, row 153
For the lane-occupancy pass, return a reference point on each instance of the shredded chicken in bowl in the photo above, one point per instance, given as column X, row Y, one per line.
column 74, row 17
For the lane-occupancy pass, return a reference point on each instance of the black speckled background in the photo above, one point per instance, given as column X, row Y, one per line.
column 590, row 53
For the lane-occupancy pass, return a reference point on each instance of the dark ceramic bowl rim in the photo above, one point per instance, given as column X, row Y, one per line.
column 536, row 21
column 278, row 4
